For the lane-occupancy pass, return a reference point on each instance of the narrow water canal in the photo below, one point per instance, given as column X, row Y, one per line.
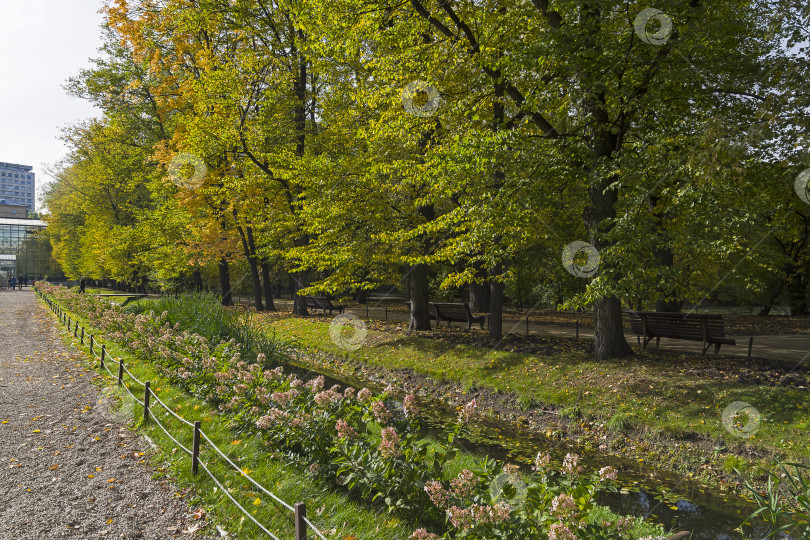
column 676, row 502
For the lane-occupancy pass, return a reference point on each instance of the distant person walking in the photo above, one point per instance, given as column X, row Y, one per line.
column 82, row 284
column 12, row 282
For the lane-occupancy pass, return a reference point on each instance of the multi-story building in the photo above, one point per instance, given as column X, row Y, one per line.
column 24, row 250
column 17, row 184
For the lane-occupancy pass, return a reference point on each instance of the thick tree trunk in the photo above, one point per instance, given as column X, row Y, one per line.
column 496, row 288
column 479, row 297
column 608, row 339
column 418, row 294
column 225, row 282
column 268, row 286
column 774, row 294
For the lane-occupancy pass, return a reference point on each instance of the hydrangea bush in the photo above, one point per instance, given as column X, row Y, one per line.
column 355, row 440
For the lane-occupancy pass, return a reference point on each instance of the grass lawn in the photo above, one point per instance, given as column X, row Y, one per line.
column 657, row 406
column 338, row 516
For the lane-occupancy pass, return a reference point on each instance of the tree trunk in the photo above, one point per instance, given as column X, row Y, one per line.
column 479, row 297
column 608, row 334
column 299, row 302
column 797, row 288
column 418, row 294
column 196, row 278
column 268, row 286
column 225, row 282
column 775, row 292
column 496, row 288
column 608, row 339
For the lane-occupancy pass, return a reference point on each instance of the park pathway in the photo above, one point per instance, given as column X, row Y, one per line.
column 792, row 349
column 68, row 467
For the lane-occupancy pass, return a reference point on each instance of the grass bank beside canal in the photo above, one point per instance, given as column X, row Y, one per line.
column 661, row 409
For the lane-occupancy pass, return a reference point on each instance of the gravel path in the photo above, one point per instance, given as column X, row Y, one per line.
column 68, row 467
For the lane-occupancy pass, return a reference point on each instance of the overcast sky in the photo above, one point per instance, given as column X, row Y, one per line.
column 42, row 43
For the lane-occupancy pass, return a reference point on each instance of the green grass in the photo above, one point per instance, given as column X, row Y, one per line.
column 661, row 398
column 330, row 510
column 326, row 508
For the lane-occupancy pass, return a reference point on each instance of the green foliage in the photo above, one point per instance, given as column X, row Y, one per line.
column 785, row 504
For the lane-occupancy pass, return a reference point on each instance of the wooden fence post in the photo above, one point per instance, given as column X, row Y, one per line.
column 91, row 343
column 300, row 524
column 76, row 330
column 82, row 338
column 120, row 371
column 146, row 392
column 103, row 354
column 195, row 449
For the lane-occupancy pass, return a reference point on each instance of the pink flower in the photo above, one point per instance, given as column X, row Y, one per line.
column 460, row 517
column 564, row 505
column 348, row 393
column 499, row 512
column 559, row 531
column 380, row 412
column 317, row 383
column 389, row 447
column 570, row 464
column 422, row 534
column 467, row 412
column 322, row 399
column 438, row 495
column 410, row 405
column 607, row 473
column 511, row 468
column 273, row 416
column 541, row 461
column 344, row 430
column 314, row 468
column 464, row 484
column 364, row 394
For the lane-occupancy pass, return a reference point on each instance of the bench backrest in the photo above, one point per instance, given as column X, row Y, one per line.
column 677, row 325
column 431, row 309
column 448, row 310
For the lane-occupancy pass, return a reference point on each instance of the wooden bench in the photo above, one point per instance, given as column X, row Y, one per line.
column 705, row 328
column 323, row 303
column 452, row 312
column 447, row 311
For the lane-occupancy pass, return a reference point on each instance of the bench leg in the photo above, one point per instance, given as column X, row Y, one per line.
column 716, row 348
column 657, row 343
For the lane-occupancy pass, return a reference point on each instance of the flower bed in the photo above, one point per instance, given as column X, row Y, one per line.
column 354, row 440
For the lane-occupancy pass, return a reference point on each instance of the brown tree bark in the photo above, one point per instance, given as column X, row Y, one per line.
column 225, row 282
column 267, row 285
column 418, row 294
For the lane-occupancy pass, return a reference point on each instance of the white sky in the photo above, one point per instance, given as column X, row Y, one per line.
column 42, row 43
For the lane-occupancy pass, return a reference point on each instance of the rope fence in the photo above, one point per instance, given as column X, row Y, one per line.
column 298, row 510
